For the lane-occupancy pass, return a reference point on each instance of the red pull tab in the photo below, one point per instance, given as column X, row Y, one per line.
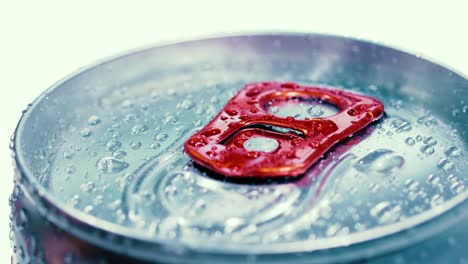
column 219, row 146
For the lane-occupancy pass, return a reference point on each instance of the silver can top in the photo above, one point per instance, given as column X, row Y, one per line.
column 105, row 147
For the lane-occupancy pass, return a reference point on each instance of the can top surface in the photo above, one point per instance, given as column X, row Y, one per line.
column 105, row 148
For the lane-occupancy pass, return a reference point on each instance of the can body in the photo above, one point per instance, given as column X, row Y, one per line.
column 103, row 178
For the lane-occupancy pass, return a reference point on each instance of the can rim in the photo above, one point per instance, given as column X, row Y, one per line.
column 80, row 223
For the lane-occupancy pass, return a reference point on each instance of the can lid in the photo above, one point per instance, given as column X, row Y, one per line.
column 104, row 150
column 219, row 146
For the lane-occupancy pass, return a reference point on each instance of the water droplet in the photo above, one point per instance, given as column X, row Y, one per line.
column 126, row 104
column 411, row 185
column 428, row 120
column 139, row 129
column 113, row 145
column 169, row 228
column 452, row 152
column 332, row 230
column 135, row 144
column 115, row 204
column 445, row 164
column 261, row 144
column 353, row 112
column 430, row 141
column 315, row 111
column 273, row 109
column 427, row 149
column 434, row 179
column 94, row 120
column 253, row 154
column 436, row 200
column 185, row 104
column 98, row 200
column 119, row 154
column 155, row 145
column 231, row 112
column 410, row 141
column 197, row 142
column 75, row 200
column 161, row 137
column 385, row 212
column 70, row 169
column 211, row 132
column 401, row 125
column 214, row 99
column 68, row 154
column 457, row 187
column 88, row 209
column 380, row 160
column 232, row 224
column 111, row 165
column 87, row 187
column 85, row 132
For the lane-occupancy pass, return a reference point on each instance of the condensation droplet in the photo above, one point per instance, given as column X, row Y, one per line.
column 87, row 187
column 155, row 145
column 139, row 129
column 113, row 145
column 410, row 141
column 135, row 145
column 452, row 152
column 94, row 120
column 161, row 137
column 380, row 160
column 445, row 164
column 185, row 104
column 85, row 132
column 70, row 169
column 427, row 149
column 436, row 200
column 315, row 110
column 385, row 212
column 111, row 165
column 457, row 187
column 430, row 141
column 119, row 154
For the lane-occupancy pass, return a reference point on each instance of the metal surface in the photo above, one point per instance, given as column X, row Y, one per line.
column 100, row 155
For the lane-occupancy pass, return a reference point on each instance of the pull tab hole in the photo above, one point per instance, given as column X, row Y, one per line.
column 261, row 144
column 302, row 108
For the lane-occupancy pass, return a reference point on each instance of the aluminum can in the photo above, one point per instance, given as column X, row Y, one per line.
column 101, row 175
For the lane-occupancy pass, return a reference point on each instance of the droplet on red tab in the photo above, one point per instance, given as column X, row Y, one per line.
column 291, row 154
column 197, row 142
column 231, row 112
column 239, row 143
column 212, row 154
column 253, row 154
column 288, row 85
column 211, row 132
column 230, row 148
column 255, row 91
column 353, row 112
column 314, row 143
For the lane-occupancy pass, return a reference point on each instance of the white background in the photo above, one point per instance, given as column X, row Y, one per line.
column 42, row 41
